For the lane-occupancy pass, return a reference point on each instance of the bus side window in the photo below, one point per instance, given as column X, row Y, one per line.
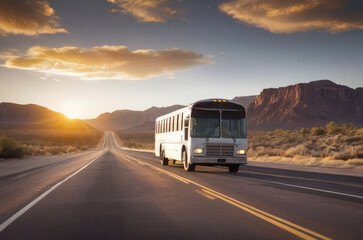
column 169, row 124
column 172, row 124
column 186, row 129
column 181, row 122
column 177, row 122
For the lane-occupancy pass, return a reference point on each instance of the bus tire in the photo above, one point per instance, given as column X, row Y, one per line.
column 163, row 159
column 233, row 168
column 189, row 167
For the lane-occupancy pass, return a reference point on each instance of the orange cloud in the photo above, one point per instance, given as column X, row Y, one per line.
column 31, row 17
column 106, row 62
column 146, row 10
column 288, row 16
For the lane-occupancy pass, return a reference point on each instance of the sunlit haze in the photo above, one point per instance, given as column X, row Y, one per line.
column 86, row 57
column 72, row 109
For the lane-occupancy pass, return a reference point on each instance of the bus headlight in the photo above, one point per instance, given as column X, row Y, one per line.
column 241, row 151
column 198, row 150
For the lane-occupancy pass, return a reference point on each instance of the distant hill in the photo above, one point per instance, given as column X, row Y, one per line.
column 37, row 117
column 245, row 101
column 306, row 105
column 130, row 120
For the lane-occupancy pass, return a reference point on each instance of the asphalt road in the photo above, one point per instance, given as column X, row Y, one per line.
column 114, row 193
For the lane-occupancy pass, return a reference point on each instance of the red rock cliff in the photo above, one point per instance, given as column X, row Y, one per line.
column 306, row 105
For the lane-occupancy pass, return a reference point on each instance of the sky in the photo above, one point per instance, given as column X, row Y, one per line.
column 87, row 57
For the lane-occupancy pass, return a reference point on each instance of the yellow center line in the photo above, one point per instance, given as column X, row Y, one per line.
column 161, row 170
column 204, row 194
column 258, row 211
column 279, row 222
column 270, row 220
column 300, row 178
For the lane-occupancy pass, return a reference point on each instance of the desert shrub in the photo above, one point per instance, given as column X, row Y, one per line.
column 305, row 131
column 279, row 131
column 332, row 128
column 353, row 139
column 318, row 131
column 71, row 149
column 342, row 155
column 9, row 148
column 350, row 127
column 270, row 152
column 356, row 162
column 297, row 150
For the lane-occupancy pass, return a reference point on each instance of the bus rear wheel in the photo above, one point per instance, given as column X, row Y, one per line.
column 163, row 159
column 189, row 167
column 233, row 168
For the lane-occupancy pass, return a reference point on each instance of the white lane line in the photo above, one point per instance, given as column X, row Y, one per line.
column 104, row 142
column 114, row 139
column 35, row 201
column 297, row 186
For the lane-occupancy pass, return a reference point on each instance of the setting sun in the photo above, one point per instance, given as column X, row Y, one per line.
column 72, row 109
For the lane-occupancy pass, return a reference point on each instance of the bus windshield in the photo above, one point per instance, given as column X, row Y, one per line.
column 205, row 123
column 233, row 124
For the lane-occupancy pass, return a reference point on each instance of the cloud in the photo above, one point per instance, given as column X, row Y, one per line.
column 31, row 17
column 106, row 62
column 146, row 10
column 288, row 16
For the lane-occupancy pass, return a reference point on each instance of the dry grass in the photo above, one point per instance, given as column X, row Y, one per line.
column 330, row 146
column 51, row 142
column 136, row 140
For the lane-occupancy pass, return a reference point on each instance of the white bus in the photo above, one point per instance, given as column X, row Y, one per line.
column 208, row 132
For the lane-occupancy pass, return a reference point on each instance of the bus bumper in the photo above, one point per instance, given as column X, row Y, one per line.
column 218, row 160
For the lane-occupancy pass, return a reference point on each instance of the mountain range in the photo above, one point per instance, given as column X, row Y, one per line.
column 302, row 105
column 130, row 120
column 37, row 117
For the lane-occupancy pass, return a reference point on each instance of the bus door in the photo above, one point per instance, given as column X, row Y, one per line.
column 186, row 128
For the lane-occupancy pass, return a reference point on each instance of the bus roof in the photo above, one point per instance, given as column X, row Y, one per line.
column 217, row 103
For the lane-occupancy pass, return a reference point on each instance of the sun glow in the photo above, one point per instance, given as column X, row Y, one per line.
column 72, row 109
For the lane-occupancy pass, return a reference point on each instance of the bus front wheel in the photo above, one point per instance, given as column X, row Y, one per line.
column 163, row 159
column 233, row 168
column 189, row 167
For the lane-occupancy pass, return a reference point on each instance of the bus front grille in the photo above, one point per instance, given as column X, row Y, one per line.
column 221, row 150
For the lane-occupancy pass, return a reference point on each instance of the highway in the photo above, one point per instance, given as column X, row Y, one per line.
column 114, row 193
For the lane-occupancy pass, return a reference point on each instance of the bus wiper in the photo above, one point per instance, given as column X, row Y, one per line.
column 210, row 133
column 234, row 138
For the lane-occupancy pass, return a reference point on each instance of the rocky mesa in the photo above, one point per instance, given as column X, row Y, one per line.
column 306, row 105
